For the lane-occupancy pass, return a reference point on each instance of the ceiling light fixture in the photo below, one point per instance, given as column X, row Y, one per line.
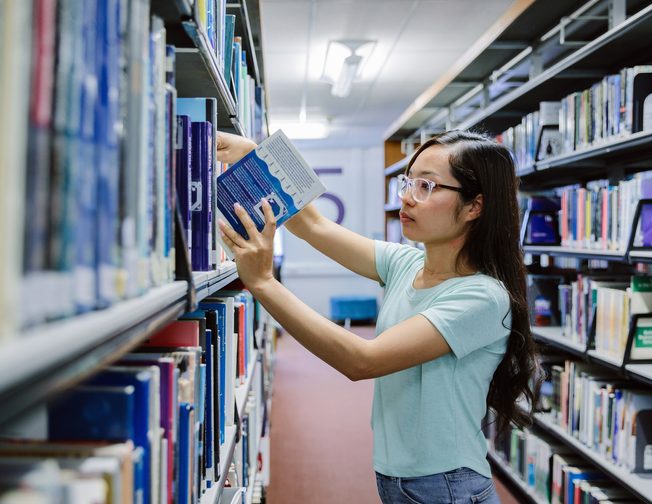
column 344, row 62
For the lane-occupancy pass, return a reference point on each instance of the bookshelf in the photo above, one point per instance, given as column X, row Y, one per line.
column 40, row 360
column 639, row 485
column 508, row 473
column 544, row 51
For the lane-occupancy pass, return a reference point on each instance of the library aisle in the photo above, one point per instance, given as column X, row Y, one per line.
column 320, row 436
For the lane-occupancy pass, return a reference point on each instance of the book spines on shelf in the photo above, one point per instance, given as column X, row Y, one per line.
column 138, row 412
column 95, row 157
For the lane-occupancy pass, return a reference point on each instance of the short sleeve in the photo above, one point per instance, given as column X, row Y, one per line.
column 391, row 256
column 471, row 316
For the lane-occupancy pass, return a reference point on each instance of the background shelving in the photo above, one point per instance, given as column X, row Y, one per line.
column 544, row 51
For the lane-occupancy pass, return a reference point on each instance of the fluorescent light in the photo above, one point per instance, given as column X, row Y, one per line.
column 348, row 72
column 301, row 130
column 345, row 60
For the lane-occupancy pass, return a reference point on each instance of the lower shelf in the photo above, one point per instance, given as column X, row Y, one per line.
column 640, row 485
column 504, row 469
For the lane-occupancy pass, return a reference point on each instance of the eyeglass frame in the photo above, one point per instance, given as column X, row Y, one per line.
column 431, row 187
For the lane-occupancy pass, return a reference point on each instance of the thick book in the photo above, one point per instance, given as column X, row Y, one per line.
column 201, row 195
column 275, row 171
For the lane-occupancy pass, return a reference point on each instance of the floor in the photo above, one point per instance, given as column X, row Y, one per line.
column 320, row 434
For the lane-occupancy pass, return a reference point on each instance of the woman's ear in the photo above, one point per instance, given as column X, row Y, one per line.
column 475, row 208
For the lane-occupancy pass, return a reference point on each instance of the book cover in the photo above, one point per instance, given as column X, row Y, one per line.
column 94, row 413
column 274, row 170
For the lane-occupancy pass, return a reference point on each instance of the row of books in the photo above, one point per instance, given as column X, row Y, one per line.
column 552, row 474
column 95, row 189
column 609, row 303
column 196, row 174
column 609, row 416
column 523, row 138
column 152, row 427
column 96, row 151
column 610, row 108
column 600, row 216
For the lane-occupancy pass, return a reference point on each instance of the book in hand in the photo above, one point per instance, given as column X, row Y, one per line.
column 274, row 170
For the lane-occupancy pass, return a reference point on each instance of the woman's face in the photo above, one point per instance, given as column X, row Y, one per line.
column 435, row 220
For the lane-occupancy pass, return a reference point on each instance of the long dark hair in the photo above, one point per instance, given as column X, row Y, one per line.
column 483, row 166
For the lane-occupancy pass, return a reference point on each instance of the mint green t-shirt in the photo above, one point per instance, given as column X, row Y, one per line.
column 427, row 419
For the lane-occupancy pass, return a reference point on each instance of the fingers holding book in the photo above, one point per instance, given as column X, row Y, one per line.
column 254, row 257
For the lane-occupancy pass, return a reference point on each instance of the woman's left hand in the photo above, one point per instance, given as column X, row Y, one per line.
column 253, row 257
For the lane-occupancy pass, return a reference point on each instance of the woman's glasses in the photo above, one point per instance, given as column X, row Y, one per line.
column 420, row 187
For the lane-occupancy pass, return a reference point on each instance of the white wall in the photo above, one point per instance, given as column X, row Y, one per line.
column 313, row 277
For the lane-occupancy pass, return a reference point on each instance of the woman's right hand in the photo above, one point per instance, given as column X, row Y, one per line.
column 231, row 148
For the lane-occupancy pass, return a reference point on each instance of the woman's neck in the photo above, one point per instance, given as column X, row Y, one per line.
column 441, row 262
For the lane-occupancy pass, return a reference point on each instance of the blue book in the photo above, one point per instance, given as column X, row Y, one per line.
column 93, row 414
column 140, row 381
column 274, row 171
column 183, row 146
column 229, row 27
column 209, row 387
column 107, row 149
column 184, row 462
column 86, row 180
column 201, row 195
column 237, row 68
column 200, row 438
column 219, row 340
column 205, row 110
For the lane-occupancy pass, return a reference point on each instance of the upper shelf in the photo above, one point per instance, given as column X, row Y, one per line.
column 492, row 97
column 198, row 73
column 247, row 26
column 630, row 152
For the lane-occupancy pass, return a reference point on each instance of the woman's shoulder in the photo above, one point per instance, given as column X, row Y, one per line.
column 483, row 285
column 398, row 252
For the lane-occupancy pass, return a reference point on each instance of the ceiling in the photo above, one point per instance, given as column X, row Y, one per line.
column 417, row 41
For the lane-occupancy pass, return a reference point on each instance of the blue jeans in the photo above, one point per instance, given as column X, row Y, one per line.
column 459, row 486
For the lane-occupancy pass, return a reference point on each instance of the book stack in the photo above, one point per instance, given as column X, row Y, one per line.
column 552, row 473
column 600, row 216
column 602, row 412
column 611, row 108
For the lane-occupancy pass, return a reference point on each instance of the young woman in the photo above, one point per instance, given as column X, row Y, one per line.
column 453, row 332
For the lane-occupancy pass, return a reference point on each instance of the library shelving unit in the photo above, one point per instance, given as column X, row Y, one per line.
column 40, row 362
column 544, row 51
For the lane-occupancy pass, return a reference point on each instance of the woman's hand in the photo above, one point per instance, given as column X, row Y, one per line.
column 253, row 257
column 231, row 148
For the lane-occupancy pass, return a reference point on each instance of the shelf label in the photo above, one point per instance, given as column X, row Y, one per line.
column 643, row 337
